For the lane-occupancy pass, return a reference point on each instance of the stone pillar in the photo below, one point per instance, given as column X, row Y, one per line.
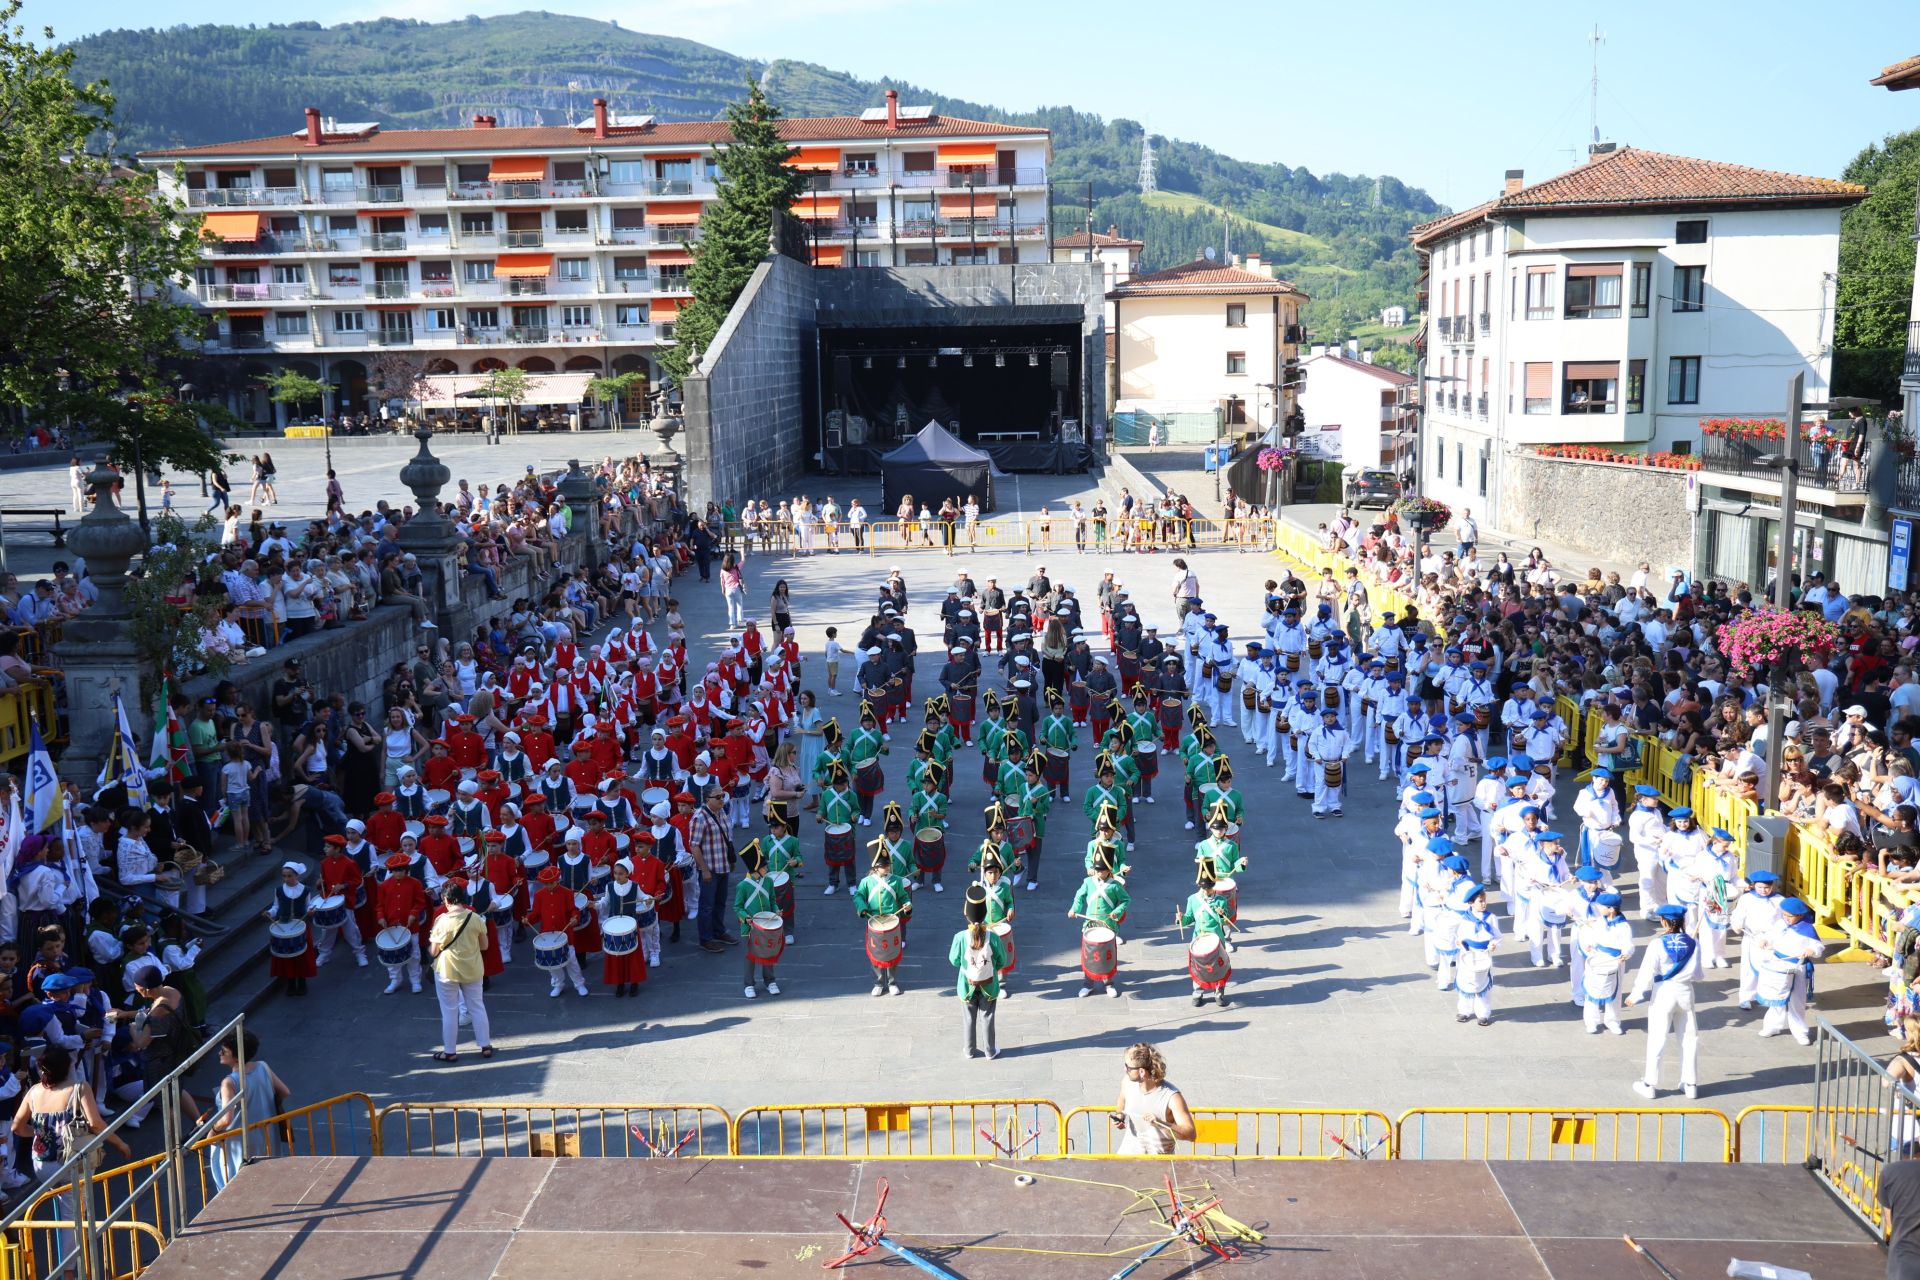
column 581, row 495
column 96, row 652
column 1883, row 472
column 430, row 536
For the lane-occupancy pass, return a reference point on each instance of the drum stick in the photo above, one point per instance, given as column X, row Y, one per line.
column 1641, row 1249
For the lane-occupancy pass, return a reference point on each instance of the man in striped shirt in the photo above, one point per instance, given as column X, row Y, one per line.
column 713, row 857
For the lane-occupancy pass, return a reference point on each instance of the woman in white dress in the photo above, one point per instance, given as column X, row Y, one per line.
column 1150, row 1113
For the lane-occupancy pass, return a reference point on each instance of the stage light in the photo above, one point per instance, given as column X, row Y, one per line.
column 867, row 362
column 1033, row 361
column 999, row 360
column 966, row 362
column 900, row 362
column 933, row 362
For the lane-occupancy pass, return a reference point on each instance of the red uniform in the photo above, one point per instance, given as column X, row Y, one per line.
column 340, row 874
column 604, row 749
column 439, row 773
column 443, row 851
column 385, row 826
column 503, row 876
column 552, row 909
column 467, row 749
column 585, row 773
column 661, row 883
column 598, row 846
column 400, row 900
column 493, row 796
column 538, row 824
column 538, row 746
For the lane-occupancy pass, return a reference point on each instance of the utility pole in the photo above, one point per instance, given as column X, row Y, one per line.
column 1593, row 87
column 1788, row 463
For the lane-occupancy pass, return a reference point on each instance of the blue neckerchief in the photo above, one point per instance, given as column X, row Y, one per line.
column 1679, row 948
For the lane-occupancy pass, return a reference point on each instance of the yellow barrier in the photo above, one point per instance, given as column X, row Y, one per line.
column 1873, row 904
column 1261, row 1133
column 1299, row 546
column 1654, row 1134
column 554, row 1129
column 1776, row 1133
column 976, row 1128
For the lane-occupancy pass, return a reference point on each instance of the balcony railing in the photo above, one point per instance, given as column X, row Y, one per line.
column 1463, row 329
column 255, row 292
column 1906, row 484
column 528, row 333
column 1486, row 321
column 670, row 187
column 1742, row 458
column 1911, row 371
column 382, row 195
column 525, row 239
column 392, row 337
column 1443, row 325
column 244, row 197
column 1480, row 406
column 384, row 240
column 984, row 176
column 390, row 289
column 439, row 289
column 247, row 341
column 519, row 190
column 519, row 287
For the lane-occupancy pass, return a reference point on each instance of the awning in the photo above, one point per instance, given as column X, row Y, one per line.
column 246, row 315
column 1591, row 270
column 659, row 309
column 817, row 208
column 669, row 258
column 824, row 159
column 384, row 211
column 676, row 155
column 1607, row 369
column 521, row 265
column 518, row 169
column 462, row 390
column 829, row 255
column 978, row 204
column 964, row 154
column 231, row 226
column 677, row 213
column 407, row 307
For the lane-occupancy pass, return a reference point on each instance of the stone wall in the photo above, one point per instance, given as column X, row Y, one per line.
column 1605, row 509
column 746, row 413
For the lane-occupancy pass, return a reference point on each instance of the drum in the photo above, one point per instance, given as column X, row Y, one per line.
column 415, row 829
column 1056, row 766
column 961, row 705
column 767, row 938
column 1604, row 848
column 550, row 951
column 1293, row 662
column 534, row 862
column 329, row 913
column 782, row 892
column 1227, row 889
column 598, row 877
column 1482, row 716
column 1206, row 669
column 930, row 849
column 884, row 941
column 394, row 945
column 1207, row 962
column 1455, row 706
column 1223, row 681
column 1335, row 772
column 580, row 904
column 1147, row 758
column 287, row 939
column 1249, row 697
column 869, row 778
column 645, row 916
column 1170, row 709
column 1332, row 695
column 620, row 936
column 1099, row 953
column 1473, row 968
column 437, row 800
column 653, row 796
column 466, row 846
column 1265, row 705
column 839, row 845
column 500, row 911
column 1005, row 931
column 1391, row 738
column 583, row 805
column 1314, row 648
column 1021, row 833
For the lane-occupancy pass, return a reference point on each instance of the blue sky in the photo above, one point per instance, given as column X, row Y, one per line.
column 1445, row 97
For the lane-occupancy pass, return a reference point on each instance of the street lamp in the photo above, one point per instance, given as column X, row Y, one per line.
column 1787, row 463
column 1419, row 454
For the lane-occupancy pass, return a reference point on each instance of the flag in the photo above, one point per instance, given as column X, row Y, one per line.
column 10, row 844
column 122, row 765
column 169, row 749
column 45, row 805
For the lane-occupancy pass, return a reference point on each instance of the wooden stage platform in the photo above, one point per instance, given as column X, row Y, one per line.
column 330, row 1218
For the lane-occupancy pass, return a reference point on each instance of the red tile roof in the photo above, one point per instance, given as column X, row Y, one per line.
column 1632, row 177
column 1428, row 232
column 1391, row 376
column 1108, row 239
column 559, row 137
column 1202, row 278
column 1904, row 74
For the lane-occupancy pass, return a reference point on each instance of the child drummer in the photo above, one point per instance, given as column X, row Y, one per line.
column 999, row 905
column 783, row 856
column 1101, row 903
column 1206, row 915
column 883, row 893
column 838, row 808
column 927, row 807
column 755, row 897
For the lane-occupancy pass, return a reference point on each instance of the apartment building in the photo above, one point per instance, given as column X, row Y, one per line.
column 1360, row 414
column 560, row 249
column 1619, row 304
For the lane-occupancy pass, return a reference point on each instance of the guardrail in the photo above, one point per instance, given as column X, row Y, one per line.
column 554, row 1129
column 1258, row 1133
column 1015, row 534
column 1647, row 1134
column 983, row 1128
column 1298, row 545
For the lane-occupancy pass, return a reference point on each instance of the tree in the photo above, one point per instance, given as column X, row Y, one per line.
column 735, row 231
column 167, row 633
column 1876, row 270
column 397, row 375
column 615, row 390
column 506, row 387
column 292, row 388
column 90, row 257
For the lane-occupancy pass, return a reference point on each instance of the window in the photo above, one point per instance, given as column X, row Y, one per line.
column 1236, row 315
column 472, row 175
column 433, row 225
column 1473, row 243
column 1459, row 464
column 674, row 277
column 569, row 170
column 1489, row 242
column 281, row 179
column 916, row 211
column 1683, row 380
column 1591, row 386
column 1236, row 411
column 290, row 323
column 919, row 256
column 284, row 226
column 349, row 322
column 1636, row 386
column 916, row 162
column 1690, row 231
column 1236, row 362
column 573, row 268
column 476, row 224
column 343, row 225
column 628, row 269
column 343, row 274
column 429, row 175
column 630, row 219
column 483, row 317
column 866, row 258
column 1642, row 287
column 1689, row 288
column 530, row 317
column 1483, row 471
column 863, row 213
column 337, row 181
column 439, row 319
column 1593, row 291
column 396, row 322
column 627, row 171
column 1539, row 388
column 630, row 314
column 1440, row 459
column 1539, row 293
column 478, row 271
column 283, row 274
column 675, row 170
column 576, row 317
column 570, row 222
column 975, row 258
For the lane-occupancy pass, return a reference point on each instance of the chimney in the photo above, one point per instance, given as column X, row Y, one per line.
column 1597, row 149
column 893, row 110
column 1516, row 179
column 599, row 117
column 313, row 126
column 483, row 122
column 1366, row 357
column 1113, row 230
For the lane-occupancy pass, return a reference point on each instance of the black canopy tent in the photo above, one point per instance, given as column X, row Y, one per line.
column 934, row 465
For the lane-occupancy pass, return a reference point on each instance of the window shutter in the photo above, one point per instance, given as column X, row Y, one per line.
column 1539, row 381
column 1588, row 369
column 1590, row 270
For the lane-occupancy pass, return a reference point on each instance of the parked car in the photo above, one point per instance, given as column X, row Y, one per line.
column 1373, row 488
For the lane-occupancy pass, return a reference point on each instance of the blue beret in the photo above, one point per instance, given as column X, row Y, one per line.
column 1602, row 771
column 1456, row 864
column 1516, row 781
column 1463, row 717
column 1529, row 810
column 1496, row 762
column 1642, row 789
column 1440, row 844
column 1423, row 797
column 59, row 982
column 1523, row 763
column 1552, row 835
column 1721, row 833
column 1542, row 715
column 1430, row 812
column 1682, row 812
column 1609, row 900
column 1761, row 877
column 1670, row 912
column 80, row 976
column 1589, row 874
column 1420, row 766
column 1795, row 907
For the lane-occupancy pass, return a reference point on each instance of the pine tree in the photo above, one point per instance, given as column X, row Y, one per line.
column 735, row 230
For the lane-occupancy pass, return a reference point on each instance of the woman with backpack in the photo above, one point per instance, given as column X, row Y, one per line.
column 979, row 956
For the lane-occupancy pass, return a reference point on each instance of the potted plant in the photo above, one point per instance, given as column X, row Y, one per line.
column 1425, row 513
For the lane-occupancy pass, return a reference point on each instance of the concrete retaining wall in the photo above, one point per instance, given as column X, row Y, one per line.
column 1608, row 510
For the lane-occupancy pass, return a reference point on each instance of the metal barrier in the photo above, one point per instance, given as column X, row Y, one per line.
column 554, row 1129
column 1862, row 1120
column 1259, row 1133
column 1299, row 546
column 972, row 1128
column 1778, row 1133
column 1653, row 1134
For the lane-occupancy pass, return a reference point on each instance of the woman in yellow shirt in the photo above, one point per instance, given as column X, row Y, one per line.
column 458, row 937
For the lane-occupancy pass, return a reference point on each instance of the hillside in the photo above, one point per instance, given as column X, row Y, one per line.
column 192, row 84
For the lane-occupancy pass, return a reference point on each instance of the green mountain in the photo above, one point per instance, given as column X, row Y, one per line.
column 1343, row 238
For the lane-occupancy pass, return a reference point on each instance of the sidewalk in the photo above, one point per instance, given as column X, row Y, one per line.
column 1571, row 564
column 1178, row 469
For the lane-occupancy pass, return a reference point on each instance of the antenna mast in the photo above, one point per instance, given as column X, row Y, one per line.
column 1147, row 184
column 1597, row 39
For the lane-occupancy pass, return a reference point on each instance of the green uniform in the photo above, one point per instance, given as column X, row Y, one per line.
column 901, row 853
column 944, row 741
column 1146, row 729
column 1057, row 731
column 993, row 735
column 1036, row 800
column 916, row 770
column 926, row 810
column 1219, row 858
column 1093, row 854
column 1011, row 783
column 957, row 957
column 999, row 901
column 1212, row 794
column 883, row 895
column 1006, row 856
column 824, row 765
column 863, row 745
column 783, row 853
column 1014, row 745
column 1203, row 913
column 838, row 808
column 1103, row 903
column 1126, row 774
column 1098, row 796
column 752, row 896
column 1200, row 771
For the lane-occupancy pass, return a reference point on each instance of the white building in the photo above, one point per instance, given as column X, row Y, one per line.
column 1208, row 336
column 1393, row 317
column 1359, row 413
column 560, row 249
column 1618, row 304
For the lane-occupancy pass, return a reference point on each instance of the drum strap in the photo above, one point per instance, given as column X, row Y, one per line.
column 1615, row 952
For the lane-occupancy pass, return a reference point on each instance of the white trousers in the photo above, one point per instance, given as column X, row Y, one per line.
column 1792, row 1016
column 1443, row 975
column 452, row 996
column 571, row 973
column 1548, row 936
column 1326, row 799
column 412, row 966
column 1672, row 1001
column 1474, row 1004
column 324, row 938
column 1608, row 1013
